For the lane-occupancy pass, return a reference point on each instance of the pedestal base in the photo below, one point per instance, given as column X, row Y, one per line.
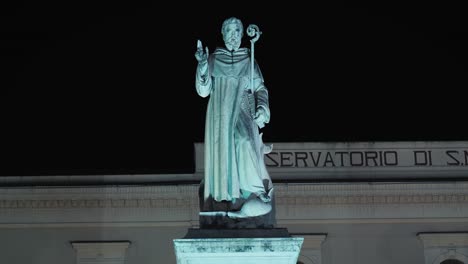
column 251, row 250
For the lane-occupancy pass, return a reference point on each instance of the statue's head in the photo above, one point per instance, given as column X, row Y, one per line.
column 232, row 31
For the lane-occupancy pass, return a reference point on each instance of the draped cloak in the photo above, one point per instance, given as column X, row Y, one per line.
column 234, row 158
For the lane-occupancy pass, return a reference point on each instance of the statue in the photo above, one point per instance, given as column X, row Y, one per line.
column 236, row 183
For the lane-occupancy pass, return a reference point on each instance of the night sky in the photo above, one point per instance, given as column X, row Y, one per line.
column 109, row 88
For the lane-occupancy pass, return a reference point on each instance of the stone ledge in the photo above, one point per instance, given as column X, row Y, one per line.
column 195, row 233
column 238, row 245
column 238, row 250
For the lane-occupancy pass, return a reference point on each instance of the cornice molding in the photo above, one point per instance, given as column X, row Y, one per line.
column 187, row 203
column 179, row 204
column 185, row 196
column 444, row 239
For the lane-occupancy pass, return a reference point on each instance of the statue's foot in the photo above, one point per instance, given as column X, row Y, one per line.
column 213, row 213
column 253, row 207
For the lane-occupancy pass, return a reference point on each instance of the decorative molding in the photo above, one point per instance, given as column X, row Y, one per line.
column 183, row 196
column 179, row 204
column 444, row 239
column 187, row 203
column 372, row 199
column 96, row 203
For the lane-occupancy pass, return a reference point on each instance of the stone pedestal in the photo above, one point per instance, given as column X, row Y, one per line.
column 256, row 246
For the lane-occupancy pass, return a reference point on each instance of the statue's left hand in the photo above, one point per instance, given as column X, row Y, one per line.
column 260, row 117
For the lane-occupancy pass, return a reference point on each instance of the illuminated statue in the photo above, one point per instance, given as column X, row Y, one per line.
column 235, row 171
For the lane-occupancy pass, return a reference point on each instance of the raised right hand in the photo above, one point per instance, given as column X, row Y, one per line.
column 200, row 55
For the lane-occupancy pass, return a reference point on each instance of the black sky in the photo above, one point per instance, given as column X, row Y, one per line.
column 109, row 88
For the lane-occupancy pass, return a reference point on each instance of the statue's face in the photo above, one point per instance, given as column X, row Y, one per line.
column 232, row 36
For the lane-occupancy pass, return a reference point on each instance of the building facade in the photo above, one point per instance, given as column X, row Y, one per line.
column 354, row 203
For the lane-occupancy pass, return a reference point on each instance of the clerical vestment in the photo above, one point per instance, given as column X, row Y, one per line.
column 234, row 159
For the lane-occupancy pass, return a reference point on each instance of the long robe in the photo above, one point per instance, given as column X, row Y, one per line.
column 234, row 158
